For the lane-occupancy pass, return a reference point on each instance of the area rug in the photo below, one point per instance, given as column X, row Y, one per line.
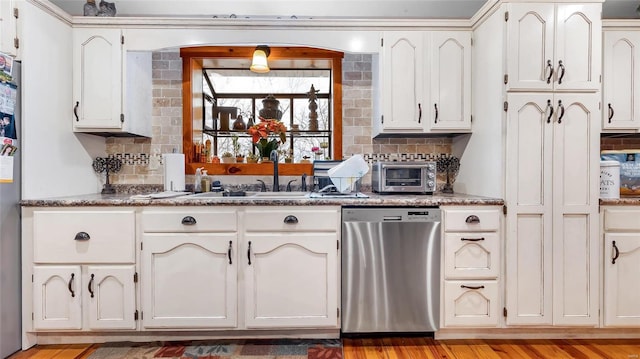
column 224, row 349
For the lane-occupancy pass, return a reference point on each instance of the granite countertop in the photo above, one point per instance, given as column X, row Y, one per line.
column 374, row 200
column 624, row 201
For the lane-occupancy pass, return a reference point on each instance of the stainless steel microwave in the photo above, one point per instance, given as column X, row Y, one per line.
column 404, row 177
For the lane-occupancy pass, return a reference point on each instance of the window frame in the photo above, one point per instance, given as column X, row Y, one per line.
column 192, row 109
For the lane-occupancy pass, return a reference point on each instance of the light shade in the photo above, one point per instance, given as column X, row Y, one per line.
column 259, row 63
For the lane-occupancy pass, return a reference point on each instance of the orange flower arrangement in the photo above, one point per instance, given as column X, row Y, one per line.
column 263, row 133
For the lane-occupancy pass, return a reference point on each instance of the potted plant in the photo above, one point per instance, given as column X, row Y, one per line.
column 267, row 135
column 227, row 157
column 253, row 158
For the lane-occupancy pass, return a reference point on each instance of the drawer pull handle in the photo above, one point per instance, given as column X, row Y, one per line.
column 472, row 239
column 471, row 287
column 290, row 219
column 616, row 251
column 73, row 294
column 229, row 252
column 82, row 236
column 91, row 285
column 189, row 221
column 472, row 219
column 249, row 253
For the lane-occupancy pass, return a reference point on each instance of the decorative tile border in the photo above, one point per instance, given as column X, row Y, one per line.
column 142, row 159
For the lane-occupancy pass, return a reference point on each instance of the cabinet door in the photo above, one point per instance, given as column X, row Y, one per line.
column 7, row 27
column 111, row 298
column 291, row 280
column 57, row 300
column 471, row 303
column 530, row 32
column 529, row 200
column 97, row 78
column 578, row 46
column 576, row 172
column 450, row 78
column 621, row 80
column 403, row 77
column 189, row 280
column 621, row 284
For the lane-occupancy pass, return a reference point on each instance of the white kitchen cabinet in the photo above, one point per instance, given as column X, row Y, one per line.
column 189, row 268
column 291, row 276
column 111, row 87
column 84, row 273
column 553, row 47
column 450, row 81
column 403, row 73
column 471, row 264
column 552, row 190
column 621, row 80
column 621, row 257
column 425, row 81
column 8, row 27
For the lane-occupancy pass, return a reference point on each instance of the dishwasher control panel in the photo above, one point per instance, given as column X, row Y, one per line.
column 392, row 214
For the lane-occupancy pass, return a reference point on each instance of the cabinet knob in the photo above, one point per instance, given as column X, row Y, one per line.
column 472, row 219
column 189, row 221
column 290, row 219
column 82, row 236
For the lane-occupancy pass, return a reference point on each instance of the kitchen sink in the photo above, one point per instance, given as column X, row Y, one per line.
column 252, row 195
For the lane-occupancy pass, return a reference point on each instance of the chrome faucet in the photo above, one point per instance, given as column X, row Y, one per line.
column 274, row 157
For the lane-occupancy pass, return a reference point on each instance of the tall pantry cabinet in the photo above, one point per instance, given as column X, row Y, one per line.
column 549, row 139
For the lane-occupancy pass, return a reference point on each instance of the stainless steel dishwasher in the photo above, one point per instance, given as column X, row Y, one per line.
column 390, row 269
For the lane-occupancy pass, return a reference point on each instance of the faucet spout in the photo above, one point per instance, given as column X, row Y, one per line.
column 276, row 183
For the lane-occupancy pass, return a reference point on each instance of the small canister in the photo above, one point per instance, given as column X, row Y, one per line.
column 609, row 179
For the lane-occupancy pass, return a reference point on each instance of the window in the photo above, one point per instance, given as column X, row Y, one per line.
column 219, row 86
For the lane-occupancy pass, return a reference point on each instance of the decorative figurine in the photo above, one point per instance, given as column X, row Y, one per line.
column 90, row 8
column 107, row 9
column 313, row 106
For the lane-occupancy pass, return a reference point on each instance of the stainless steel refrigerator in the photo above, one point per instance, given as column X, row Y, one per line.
column 10, row 288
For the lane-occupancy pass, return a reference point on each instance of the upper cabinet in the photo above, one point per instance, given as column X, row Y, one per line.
column 426, row 83
column 553, row 47
column 111, row 87
column 8, row 27
column 621, row 80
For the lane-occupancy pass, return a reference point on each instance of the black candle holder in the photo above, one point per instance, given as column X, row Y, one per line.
column 108, row 165
column 449, row 165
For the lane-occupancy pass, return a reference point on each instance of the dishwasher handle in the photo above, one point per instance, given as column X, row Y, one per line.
column 392, row 218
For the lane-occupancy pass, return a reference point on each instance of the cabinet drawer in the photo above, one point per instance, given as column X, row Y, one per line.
column 261, row 219
column 109, row 236
column 471, row 220
column 471, row 304
column 471, row 255
column 622, row 219
column 189, row 220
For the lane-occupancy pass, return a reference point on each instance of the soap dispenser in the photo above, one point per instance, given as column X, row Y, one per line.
column 205, row 182
column 197, row 184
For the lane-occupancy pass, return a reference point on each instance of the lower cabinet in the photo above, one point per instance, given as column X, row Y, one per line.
column 276, row 267
column 471, row 264
column 107, row 292
column 291, row 280
column 189, row 280
column 621, row 226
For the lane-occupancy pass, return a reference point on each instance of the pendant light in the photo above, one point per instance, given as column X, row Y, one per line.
column 259, row 63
